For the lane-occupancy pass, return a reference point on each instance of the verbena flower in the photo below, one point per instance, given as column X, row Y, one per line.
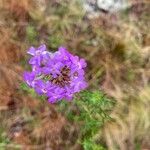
column 56, row 75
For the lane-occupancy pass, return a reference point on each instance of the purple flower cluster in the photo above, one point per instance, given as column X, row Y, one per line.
column 56, row 75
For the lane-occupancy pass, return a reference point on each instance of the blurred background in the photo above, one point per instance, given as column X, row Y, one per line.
column 114, row 38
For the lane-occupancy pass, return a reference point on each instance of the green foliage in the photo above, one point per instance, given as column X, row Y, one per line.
column 5, row 142
column 3, row 138
column 130, row 75
column 61, row 10
column 55, row 41
column 138, row 146
column 25, row 88
column 66, row 15
column 90, row 145
column 90, row 110
column 31, row 34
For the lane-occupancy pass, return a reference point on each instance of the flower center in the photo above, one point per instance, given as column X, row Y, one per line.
column 63, row 78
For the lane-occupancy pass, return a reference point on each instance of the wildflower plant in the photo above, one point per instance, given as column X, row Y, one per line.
column 90, row 110
column 56, row 75
column 60, row 75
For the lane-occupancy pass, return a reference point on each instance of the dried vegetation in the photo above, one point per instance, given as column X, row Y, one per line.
column 117, row 49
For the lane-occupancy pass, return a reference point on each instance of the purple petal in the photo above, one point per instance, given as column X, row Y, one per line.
column 62, row 66
column 52, row 100
column 41, row 48
column 31, row 51
column 83, row 63
column 29, row 78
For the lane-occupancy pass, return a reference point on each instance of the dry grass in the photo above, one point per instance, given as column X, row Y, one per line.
column 117, row 50
column 131, row 122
